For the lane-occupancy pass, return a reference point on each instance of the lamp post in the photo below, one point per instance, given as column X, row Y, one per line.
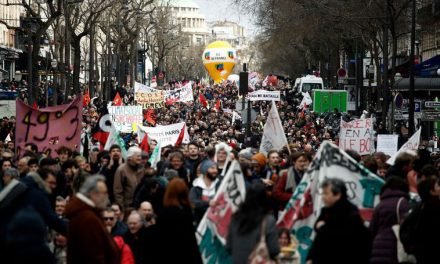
column 411, row 123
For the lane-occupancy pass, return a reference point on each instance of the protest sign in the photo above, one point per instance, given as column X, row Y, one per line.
column 166, row 135
column 273, row 132
column 387, row 144
column 150, row 99
column 184, row 94
column 142, row 88
column 263, row 95
column 122, row 117
column 357, row 135
column 304, row 207
column 213, row 229
column 49, row 128
column 411, row 144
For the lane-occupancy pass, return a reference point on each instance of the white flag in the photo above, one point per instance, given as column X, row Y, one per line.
column 306, row 101
column 235, row 116
column 411, row 144
column 8, row 138
column 115, row 139
column 273, row 133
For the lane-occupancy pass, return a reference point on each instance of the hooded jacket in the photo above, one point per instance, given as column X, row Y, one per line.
column 200, row 195
column 89, row 240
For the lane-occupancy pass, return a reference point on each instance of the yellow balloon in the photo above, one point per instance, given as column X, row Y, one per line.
column 219, row 60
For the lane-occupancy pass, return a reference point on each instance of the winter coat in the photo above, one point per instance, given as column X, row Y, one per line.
column 89, row 240
column 20, row 241
column 143, row 244
column 344, row 230
column 191, row 165
column 384, row 248
column 427, row 231
column 241, row 246
column 109, row 175
column 119, row 229
column 150, row 189
column 281, row 195
column 200, row 195
column 126, row 180
column 177, row 236
column 124, row 251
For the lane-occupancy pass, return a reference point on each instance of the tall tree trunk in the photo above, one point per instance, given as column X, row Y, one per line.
column 76, row 65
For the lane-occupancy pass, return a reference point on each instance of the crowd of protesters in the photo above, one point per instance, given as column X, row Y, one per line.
column 97, row 207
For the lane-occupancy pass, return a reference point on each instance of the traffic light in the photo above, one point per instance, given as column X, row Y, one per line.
column 244, row 83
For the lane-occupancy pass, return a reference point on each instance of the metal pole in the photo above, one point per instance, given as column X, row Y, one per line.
column 385, row 91
column 411, row 73
column 29, row 62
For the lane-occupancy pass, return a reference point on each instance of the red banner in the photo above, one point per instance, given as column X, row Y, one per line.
column 49, row 128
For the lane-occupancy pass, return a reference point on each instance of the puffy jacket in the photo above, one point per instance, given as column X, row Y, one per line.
column 124, row 251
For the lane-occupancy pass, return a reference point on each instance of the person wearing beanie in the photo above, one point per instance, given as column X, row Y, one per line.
column 204, row 189
column 127, row 177
column 258, row 163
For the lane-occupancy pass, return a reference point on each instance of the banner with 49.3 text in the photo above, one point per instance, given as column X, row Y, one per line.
column 49, row 128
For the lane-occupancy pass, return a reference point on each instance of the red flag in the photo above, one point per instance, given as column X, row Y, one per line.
column 145, row 145
column 181, row 135
column 117, row 100
column 86, row 98
column 217, row 104
column 99, row 131
column 35, row 105
column 150, row 116
column 203, row 100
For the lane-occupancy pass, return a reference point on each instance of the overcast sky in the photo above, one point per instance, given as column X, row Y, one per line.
column 223, row 9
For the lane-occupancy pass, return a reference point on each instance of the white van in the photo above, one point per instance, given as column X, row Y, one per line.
column 309, row 83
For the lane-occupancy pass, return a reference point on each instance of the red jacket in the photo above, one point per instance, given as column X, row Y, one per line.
column 124, row 250
column 279, row 192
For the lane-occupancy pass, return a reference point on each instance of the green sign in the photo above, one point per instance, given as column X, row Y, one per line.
column 325, row 101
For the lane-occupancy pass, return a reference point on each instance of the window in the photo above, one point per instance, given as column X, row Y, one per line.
column 199, row 40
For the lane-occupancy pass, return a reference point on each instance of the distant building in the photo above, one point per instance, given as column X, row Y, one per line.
column 192, row 22
column 228, row 31
column 8, row 46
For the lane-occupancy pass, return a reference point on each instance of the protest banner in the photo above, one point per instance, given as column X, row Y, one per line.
column 387, row 144
column 357, row 135
column 263, row 95
column 49, row 128
column 273, row 132
column 213, row 229
column 411, row 144
column 184, row 94
column 166, row 135
column 142, row 88
column 304, row 207
column 122, row 117
column 150, row 99
column 115, row 139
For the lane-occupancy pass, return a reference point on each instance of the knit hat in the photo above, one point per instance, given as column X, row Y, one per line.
column 206, row 164
column 133, row 151
column 260, row 158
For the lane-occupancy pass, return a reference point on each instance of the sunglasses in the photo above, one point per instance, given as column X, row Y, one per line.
column 109, row 218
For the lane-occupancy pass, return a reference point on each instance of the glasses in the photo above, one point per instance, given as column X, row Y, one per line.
column 109, row 218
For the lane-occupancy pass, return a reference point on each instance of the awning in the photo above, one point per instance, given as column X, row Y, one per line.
column 420, row 84
column 429, row 67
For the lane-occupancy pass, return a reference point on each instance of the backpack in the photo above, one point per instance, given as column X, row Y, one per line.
column 408, row 229
column 260, row 254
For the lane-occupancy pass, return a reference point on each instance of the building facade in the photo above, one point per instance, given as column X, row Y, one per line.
column 193, row 23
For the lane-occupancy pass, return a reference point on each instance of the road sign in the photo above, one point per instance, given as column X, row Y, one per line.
column 342, row 73
column 417, row 107
column 325, row 101
column 432, row 104
column 432, row 115
column 398, row 116
column 398, row 100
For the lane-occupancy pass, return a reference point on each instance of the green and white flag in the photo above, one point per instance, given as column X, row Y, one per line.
column 155, row 156
column 115, row 139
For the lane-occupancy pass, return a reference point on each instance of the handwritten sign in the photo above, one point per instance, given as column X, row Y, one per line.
column 122, row 117
column 49, row 128
column 150, row 99
column 142, row 88
column 184, row 94
column 387, row 144
column 357, row 135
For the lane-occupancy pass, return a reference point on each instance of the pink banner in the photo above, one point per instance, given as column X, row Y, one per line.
column 49, row 128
